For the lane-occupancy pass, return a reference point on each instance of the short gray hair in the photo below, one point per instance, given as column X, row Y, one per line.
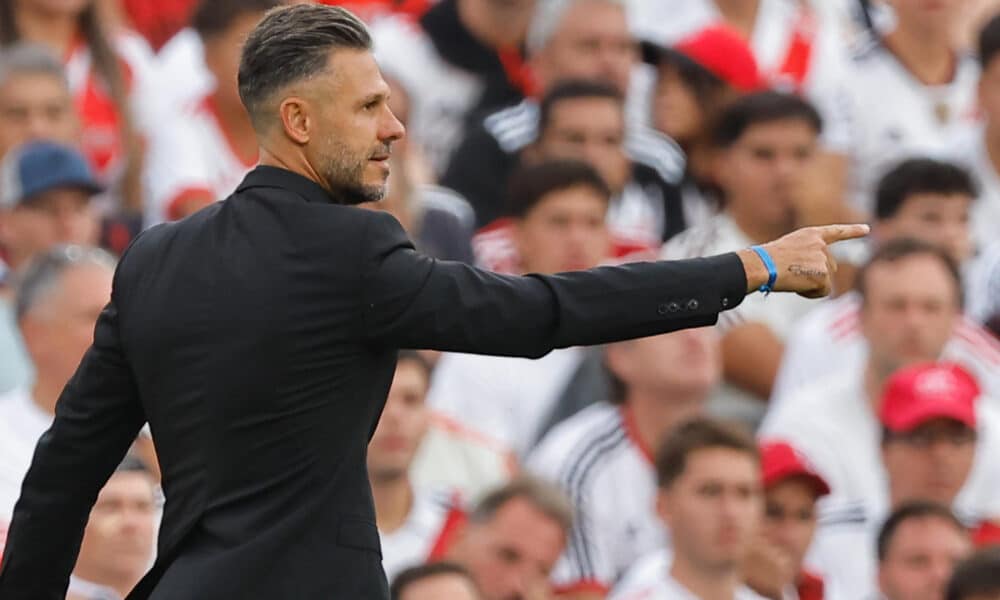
column 42, row 274
column 30, row 59
column 544, row 496
column 548, row 16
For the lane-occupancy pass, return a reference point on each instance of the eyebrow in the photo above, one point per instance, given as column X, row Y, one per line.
column 374, row 97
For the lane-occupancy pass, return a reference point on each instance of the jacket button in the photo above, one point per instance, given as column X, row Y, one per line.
column 725, row 302
column 673, row 307
column 693, row 305
column 661, row 309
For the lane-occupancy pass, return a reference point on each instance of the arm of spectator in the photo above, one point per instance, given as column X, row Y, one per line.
column 751, row 355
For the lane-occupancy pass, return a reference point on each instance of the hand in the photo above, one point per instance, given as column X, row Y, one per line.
column 802, row 258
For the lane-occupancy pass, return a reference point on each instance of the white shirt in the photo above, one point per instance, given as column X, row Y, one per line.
column 412, row 543
column 829, row 340
column 598, row 461
column 649, row 579
column 983, row 300
column 968, row 148
column 833, row 424
column 779, row 312
column 183, row 69
column 192, row 154
column 879, row 114
column 22, row 423
column 507, row 399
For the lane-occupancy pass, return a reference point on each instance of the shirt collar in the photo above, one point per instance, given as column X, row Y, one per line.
column 91, row 591
column 265, row 176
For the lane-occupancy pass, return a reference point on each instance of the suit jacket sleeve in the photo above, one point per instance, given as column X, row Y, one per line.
column 97, row 417
column 412, row 301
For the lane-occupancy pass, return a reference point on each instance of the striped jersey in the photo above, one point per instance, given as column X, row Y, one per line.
column 609, row 476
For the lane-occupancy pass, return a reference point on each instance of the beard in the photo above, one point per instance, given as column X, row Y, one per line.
column 344, row 173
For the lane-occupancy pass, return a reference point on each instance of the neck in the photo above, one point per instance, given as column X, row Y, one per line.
column 750, row 225
column 706, row 584
column 656, row 415
column 56, row 31
column 740, row 14
column 45, row 393
column 393, row 499
column 929, row 55
column 296, row 163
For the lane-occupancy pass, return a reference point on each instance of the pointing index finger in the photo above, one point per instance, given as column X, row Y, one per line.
column 838, row 233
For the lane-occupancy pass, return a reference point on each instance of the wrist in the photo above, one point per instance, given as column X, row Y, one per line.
column 755, row 270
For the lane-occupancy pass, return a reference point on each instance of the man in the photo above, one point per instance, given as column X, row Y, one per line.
column 57, row 304
column 602, row 457
column 918, row 549
column 205, row 154
column 977, row 577
column 775, row 566
column 766, row 142
column 923, row 199
column 710, row 500
column 45, row 199
column 461, row 58
column 414, row 524
column 118, row 541
column 976, row 147
column 567, row 39
column 559, row 210
column 263, row 467
column 35, row 101
column 929, row 449
column 910, row 302
column 513, row 538
column 435, row 581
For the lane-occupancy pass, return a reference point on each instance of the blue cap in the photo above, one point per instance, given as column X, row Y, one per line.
column 38, row 167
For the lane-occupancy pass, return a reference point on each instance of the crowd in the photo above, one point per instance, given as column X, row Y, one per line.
column 843, row 449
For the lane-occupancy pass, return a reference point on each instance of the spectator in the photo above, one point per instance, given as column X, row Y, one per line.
column 58, row 301
column 775, row 567
column 711, row 502
column 976, row 147
column 112, row 78
column 414, row 524
column 560, row 226
column 766, row 142
column 984, row 288
column 513, row 539
column 929, row 421
column 977, row 577
column 910, row 295
column 435, row 581
column 901, row 95
column 35, row 102
column 45, row 199
column 923, row 199
column 118, row 540
column 460, row 58
column 585, row 120
column 206, row 154
column 602, row 457
column 567, row 39
column 918, row 549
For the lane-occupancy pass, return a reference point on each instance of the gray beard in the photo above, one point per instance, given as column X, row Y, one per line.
column 344, row 175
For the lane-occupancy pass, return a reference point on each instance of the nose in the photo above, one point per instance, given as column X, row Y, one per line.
column 392, row 129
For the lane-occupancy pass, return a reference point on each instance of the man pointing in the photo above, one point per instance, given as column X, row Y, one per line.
column 258, row 339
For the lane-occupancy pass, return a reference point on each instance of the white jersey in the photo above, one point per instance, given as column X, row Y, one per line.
column 829, row 340
column 609, row 476
column 432, row 517
column 968, row 148
column 833, row 424
column 507, row 399
column 879, row 114
column 780, row 312
column 649, row 579
column 194, row 154
column 22, row 423
column 983, row 299
column 183, row 69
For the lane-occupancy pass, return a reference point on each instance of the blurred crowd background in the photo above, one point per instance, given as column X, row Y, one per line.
column 847, row 448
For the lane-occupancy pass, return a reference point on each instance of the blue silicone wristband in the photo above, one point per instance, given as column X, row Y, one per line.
column 772, row 271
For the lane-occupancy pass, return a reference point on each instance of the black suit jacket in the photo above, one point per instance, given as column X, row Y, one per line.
column 258, row 338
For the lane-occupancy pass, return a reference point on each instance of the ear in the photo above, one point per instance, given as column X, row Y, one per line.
column 296, row 119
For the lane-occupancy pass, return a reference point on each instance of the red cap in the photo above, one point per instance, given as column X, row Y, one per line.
column 780, row 461
column 920, row 393
column 724, row 52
